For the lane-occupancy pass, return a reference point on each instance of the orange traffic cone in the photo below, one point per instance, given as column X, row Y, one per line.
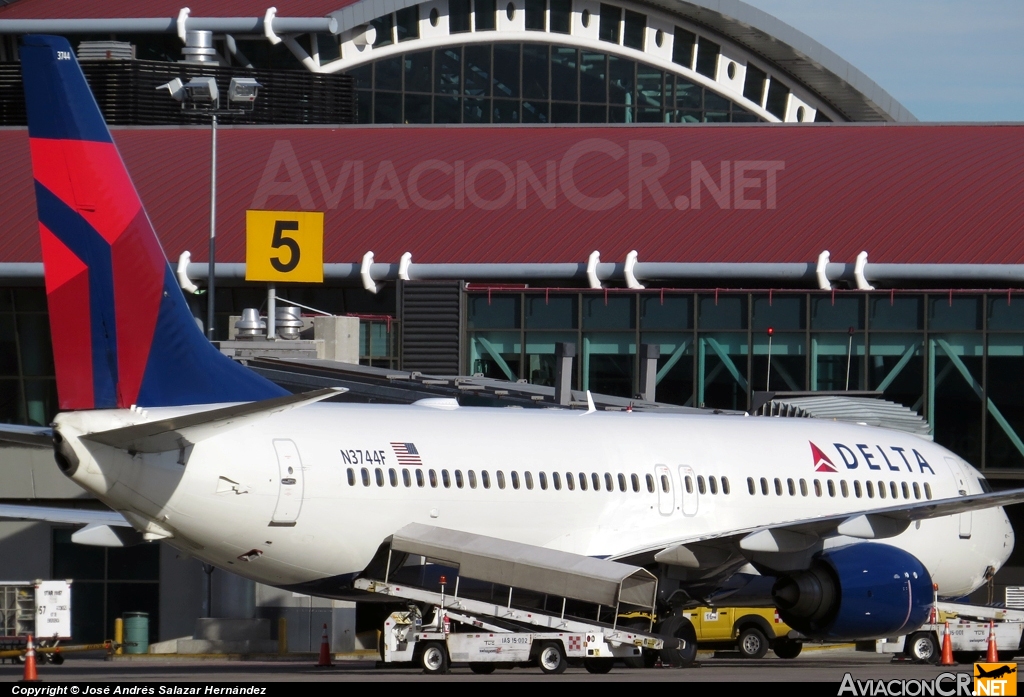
column 325, row 652
column 993, row 648
column 947, row 649
column 30, row 663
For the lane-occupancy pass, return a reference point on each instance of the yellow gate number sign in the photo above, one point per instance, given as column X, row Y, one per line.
column 284, row 246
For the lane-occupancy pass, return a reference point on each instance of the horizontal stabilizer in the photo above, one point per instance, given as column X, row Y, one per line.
column 55, row 514
column 180, row 432
column 107, row 536
column 36, row 436
column 103, row 528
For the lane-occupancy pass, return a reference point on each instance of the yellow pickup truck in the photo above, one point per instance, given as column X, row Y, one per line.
column 751, row 631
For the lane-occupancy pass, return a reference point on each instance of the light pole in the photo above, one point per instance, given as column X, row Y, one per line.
column 201, row 94
column 211, row 283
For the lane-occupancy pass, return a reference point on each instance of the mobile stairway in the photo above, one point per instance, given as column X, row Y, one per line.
column 444, row 627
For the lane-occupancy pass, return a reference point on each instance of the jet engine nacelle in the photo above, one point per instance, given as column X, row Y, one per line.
column 863, row 591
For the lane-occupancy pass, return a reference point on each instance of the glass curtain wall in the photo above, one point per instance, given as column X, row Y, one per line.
column 896, row 351
column 548, row 320
column 958, row 359
column 667, row 322
column 108, row 581
column 1004, row 383
column 609, row 344
column 531, row 83
column 722, row 354
column 28, row 387
column 955, row 358
column 779, row 358
column 377, row 342
column 955, row 373
column 495, row 353
column 838, row 343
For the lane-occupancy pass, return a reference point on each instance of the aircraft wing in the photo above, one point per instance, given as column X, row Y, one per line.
column 711, row 553
column 36, row 436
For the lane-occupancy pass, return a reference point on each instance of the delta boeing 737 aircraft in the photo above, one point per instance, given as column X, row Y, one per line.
column 847, row 526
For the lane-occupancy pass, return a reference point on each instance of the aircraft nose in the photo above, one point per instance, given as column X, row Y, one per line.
column 1009, row 538
column 1000, row 547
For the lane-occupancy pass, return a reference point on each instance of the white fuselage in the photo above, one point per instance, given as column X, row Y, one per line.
column 353, row 482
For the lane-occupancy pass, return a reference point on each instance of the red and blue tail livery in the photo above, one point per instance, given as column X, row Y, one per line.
column 122, row 332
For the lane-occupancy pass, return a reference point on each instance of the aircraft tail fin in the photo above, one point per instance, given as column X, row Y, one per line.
column 122, row 333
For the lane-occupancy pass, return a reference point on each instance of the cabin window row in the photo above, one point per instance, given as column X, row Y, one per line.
column 883, row 490
column 556, row 480
column 703, row 487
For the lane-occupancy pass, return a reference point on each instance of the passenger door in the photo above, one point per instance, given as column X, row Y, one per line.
column 290, row 484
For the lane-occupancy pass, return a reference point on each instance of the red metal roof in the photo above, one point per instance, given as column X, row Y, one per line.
column 908, row 193
column 102, row 9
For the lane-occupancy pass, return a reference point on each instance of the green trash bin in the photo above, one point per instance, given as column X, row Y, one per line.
column 136, row 632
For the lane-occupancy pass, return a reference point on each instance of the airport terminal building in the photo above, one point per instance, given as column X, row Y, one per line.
column 502, row 177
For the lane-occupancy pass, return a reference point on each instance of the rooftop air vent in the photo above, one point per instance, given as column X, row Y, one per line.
column 105, row 51
column 199, row 48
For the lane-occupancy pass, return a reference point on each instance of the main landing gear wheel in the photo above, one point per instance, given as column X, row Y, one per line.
column 482, row 668
column 599, row 666
column 922, row 647
column 753, row 643
column 678, row 627
column 434, row 658
column 787, row 648
column 552, row 658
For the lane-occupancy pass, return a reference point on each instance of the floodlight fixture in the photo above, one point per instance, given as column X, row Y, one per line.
column 202, row 90
column 201, row 94
column 175, row 87
column 243, row 90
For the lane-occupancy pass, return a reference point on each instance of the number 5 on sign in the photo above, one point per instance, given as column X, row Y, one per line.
column 284, row 246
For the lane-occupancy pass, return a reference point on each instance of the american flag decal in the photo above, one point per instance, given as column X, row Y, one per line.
column 407, row 454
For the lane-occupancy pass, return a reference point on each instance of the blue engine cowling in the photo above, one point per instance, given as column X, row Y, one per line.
column 864, row 591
